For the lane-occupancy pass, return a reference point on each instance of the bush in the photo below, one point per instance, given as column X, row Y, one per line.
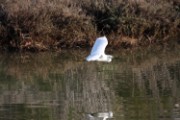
column 53, row 24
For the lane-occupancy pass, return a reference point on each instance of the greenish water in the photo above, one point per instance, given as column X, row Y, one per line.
column 140, row 85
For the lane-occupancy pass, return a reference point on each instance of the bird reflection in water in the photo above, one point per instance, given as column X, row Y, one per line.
column 100, row 115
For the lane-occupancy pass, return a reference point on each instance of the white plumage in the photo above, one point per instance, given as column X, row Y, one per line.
column 100, row 116
column 98, row 51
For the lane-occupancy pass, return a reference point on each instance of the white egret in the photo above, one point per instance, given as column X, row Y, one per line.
column 100, row 115
column 98, row 51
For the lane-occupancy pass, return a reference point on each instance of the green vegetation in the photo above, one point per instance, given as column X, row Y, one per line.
column 53, row 24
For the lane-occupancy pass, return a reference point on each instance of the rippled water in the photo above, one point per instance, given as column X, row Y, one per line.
column 139, row 85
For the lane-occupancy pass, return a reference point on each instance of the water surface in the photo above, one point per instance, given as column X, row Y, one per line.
column 136, row 85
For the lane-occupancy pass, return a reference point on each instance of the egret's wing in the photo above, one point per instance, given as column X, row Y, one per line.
column 93, row 57
column 99, row 46
column 98, row 49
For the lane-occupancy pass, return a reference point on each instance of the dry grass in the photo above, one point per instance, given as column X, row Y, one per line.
column 53, row 24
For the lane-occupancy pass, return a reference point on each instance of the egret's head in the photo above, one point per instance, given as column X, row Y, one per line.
column 110, row 114
column 109, row 58
column 105, row 58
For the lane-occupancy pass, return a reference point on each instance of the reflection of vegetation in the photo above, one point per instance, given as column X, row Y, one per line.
column 42, row 84
column 38, row 113
column 70, row 114
column 152, row 86
column 173, row 69
column 142, row 84
column 9, row 80
column 148, row 108
column 124, row 84
column 4, row 78
column 24, row 113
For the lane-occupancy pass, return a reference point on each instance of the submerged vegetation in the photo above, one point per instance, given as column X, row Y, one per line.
column 54, row 24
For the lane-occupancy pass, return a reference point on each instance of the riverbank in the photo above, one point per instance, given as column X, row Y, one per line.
column 51, row 25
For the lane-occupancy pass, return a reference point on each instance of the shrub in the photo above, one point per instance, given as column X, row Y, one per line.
column 52, row 24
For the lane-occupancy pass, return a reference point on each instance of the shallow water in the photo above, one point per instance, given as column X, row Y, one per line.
column 138, row 85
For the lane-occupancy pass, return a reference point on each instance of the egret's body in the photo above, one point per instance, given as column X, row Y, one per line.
column 98, row 51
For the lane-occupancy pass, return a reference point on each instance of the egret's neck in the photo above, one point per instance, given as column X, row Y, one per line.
column 105, row 118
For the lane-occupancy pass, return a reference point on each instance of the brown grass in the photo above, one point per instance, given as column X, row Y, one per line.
column 53, row 24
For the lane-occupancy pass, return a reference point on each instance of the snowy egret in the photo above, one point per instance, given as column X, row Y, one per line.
column 98, row 51
column 100, row 115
